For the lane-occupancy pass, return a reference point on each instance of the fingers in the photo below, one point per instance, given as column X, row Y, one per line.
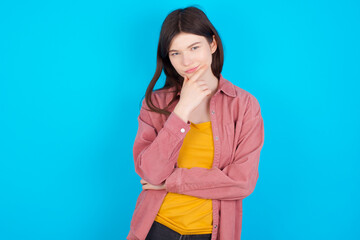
column 199, row 72
column 153, row 187
column 147, row 186
column 185, row 80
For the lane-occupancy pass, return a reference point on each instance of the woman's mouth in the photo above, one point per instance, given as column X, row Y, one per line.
column 191, row 70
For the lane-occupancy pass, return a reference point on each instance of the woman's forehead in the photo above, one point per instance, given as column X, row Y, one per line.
column 184, row 40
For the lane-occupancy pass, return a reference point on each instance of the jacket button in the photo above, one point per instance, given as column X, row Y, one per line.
column 212, row 112
column 182, row 130
column 215, row 226
column 216, row 138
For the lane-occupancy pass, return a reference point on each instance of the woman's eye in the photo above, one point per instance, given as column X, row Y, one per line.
column 196, row 47
column 173, row 54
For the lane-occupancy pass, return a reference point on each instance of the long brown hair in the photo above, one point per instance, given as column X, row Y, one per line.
column 187, row 20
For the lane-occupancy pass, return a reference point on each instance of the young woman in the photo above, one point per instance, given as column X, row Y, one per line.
column 199, row 139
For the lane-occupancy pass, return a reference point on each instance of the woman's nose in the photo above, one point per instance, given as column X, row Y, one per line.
column 186, row 59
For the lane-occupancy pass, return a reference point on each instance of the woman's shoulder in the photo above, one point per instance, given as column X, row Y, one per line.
column 244, row 94
column 238, row 92
column 161, row 97
column 248, row 99
column 164, row 91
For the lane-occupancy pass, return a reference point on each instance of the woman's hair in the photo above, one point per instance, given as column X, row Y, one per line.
column 187, row 20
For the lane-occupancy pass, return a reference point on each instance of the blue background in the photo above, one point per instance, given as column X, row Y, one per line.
column 72, row 75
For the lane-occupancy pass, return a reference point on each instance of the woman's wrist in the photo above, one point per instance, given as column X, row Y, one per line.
column 182, row 113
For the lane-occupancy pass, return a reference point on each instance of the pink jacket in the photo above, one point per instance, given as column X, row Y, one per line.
column 238, row 133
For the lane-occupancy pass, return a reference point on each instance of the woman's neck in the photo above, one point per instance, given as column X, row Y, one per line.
column 212, row 82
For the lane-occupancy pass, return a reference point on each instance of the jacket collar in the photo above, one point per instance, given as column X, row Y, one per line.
column 225, row 86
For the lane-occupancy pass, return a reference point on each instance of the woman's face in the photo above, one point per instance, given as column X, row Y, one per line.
column 189, row 51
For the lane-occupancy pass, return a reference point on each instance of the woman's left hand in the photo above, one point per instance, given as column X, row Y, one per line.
column 147, row 185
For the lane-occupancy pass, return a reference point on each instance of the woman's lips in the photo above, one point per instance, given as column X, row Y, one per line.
column 191, row 70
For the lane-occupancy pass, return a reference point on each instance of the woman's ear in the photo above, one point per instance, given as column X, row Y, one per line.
column 213, row 45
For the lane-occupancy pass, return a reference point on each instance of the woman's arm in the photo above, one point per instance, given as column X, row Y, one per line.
column 235, row 181
column 155, row 153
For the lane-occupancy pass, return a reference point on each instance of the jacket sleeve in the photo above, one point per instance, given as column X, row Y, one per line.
column 238, row 179
column 155, row 153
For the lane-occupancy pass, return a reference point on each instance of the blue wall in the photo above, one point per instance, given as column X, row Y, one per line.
column 72, row 74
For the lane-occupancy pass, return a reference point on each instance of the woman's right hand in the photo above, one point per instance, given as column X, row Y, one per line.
column 193, row 92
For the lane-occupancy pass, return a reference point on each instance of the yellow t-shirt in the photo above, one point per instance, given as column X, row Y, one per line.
column 183, row 213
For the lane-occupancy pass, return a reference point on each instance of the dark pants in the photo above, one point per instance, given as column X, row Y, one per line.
column 161, row 232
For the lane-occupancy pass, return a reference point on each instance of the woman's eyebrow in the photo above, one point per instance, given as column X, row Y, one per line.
column 173, row 50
